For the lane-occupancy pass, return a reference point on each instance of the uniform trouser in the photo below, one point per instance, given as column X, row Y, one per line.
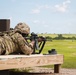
column 2, row 50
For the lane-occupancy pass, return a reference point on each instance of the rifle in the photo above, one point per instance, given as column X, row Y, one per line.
column 38, row 46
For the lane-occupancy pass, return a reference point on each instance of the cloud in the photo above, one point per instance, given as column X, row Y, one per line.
column 35, row 11
column 67, row 2
column 36, row 21
column 39, row 22
column 39, row 8
column 62, row 7
column 44, row 6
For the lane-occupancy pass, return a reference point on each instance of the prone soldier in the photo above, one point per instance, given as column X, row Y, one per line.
column 14, row 42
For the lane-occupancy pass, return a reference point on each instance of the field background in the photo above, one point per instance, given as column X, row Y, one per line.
column 65, row 47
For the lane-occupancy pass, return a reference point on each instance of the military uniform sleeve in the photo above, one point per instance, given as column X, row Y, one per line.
column 23, row 45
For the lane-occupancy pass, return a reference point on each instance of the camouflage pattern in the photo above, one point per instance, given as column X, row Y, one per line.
column 23, row 45
column 23, row 28
column 13, row 41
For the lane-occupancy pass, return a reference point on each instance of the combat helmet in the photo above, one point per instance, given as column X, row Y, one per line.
column 22, row 28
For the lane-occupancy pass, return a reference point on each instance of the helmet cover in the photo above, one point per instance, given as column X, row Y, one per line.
column 22, row 28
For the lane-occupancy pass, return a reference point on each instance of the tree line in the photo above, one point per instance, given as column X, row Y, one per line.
column 60, row 37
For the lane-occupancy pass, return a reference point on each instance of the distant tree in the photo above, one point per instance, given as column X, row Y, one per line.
column 49, row 38
column 59, row 37
column 73, row 38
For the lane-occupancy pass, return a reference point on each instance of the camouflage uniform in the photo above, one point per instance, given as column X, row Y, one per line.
column 14, row 41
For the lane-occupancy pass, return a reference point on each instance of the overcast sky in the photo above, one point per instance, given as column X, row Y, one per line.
column 51, row 16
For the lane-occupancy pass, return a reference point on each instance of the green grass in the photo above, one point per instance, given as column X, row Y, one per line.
column 65, row 47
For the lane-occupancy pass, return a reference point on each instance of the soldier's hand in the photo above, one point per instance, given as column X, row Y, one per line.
column 32, row 43
column 41, row 38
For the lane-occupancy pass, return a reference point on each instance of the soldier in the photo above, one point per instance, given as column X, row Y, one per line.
column 14, row 42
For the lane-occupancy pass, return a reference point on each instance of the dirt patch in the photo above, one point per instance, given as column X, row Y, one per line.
column 63, row 71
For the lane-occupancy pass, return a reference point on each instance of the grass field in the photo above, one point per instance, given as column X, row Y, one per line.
column 65, row 47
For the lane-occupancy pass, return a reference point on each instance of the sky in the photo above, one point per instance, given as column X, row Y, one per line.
column 43, row 16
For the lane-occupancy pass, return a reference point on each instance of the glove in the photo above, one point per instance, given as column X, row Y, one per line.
column 41, row 38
